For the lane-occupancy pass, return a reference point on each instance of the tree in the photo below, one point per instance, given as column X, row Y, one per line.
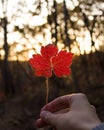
column 5, row 69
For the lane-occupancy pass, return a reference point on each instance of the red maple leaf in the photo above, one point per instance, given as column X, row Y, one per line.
column 51, row 60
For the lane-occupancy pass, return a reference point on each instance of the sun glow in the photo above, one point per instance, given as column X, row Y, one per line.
column 26, row 46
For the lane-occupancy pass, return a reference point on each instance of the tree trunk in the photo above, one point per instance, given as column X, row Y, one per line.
column 6, row 73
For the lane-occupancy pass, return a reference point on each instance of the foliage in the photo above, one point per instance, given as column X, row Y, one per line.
column 51, row 60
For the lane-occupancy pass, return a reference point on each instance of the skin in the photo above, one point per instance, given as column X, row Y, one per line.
column 69, row 112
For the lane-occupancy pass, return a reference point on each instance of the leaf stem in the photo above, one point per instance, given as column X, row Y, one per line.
column 47, row 91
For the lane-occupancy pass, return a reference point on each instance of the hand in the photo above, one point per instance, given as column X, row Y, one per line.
column 69, row 112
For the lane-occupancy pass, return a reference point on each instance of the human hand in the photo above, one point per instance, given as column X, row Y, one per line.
column 69, row 112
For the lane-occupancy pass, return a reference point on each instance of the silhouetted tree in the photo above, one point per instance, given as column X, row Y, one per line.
column 5, row 69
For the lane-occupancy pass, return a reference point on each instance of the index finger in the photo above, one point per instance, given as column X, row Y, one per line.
column 58, row 103
column 74, row 101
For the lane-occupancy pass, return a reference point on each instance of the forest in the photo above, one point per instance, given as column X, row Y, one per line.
column 73, row 25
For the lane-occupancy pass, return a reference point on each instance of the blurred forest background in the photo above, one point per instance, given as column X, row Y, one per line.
column 25, row 26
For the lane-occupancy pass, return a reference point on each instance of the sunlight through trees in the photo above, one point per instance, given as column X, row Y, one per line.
column 75, row 25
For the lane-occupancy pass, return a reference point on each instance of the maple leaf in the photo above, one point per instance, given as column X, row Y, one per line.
column 51, row 60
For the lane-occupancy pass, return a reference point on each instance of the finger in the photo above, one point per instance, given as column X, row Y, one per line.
column 74, row 101
column 48, row 117
column 58, row 104
column 79, row 102
column 63, row 111
column 40, row 123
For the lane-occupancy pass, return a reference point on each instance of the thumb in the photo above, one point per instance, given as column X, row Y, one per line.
column 48, row 117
